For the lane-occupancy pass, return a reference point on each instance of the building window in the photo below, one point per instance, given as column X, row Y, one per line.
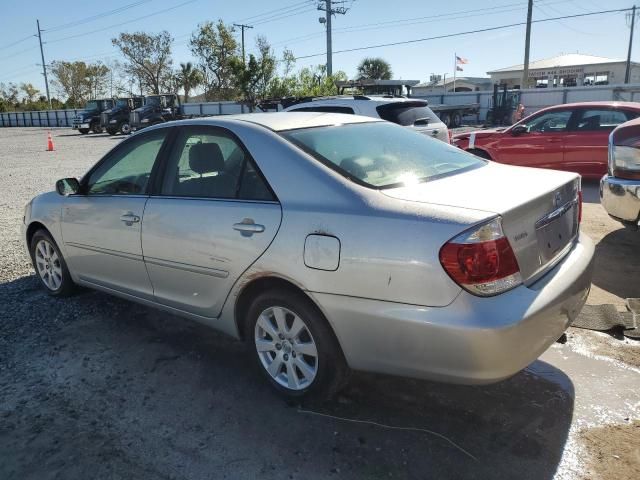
column 598, row 78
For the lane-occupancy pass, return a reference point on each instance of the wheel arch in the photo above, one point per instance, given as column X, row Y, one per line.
column 480, row 152
column 256, row 286
column 33, row 228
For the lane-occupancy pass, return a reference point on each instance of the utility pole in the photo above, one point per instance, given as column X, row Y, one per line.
column 330, row 9
column 627, row 72
column 242, row 27
column 527, row 45
column 44, row 65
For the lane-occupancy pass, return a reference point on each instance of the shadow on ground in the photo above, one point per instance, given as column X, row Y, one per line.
column 100, row 387
column 590, row 191
column 619, row 248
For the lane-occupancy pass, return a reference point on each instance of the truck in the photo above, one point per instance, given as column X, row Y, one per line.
column 158, row 108
column 116, row 119
column 89, row 120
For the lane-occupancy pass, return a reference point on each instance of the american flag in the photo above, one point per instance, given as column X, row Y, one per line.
column 461, row 60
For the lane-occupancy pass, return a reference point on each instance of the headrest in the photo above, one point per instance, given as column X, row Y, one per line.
column 206, row 158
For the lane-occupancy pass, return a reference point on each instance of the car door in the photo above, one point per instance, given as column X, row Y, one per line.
column 101, row 225
column 212, row 216
column 587, row 139
column 541, row 145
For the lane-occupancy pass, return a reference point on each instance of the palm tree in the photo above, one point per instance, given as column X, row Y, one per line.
column 189, row 78
column 375, row 69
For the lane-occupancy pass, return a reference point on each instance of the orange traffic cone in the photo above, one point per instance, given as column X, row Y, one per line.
column 49, row 143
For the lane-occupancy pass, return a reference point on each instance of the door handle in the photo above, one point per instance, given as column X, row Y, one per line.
column 247, row 227
column 129, row 218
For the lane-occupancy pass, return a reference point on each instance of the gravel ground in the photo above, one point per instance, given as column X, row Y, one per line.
column 97, row 387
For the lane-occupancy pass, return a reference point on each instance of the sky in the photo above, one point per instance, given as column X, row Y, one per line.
column 83, row 30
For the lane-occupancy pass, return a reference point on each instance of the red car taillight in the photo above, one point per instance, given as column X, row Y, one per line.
column 481, row 260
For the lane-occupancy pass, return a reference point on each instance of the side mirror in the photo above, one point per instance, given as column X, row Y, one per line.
column 67, row 186
column 519, row 130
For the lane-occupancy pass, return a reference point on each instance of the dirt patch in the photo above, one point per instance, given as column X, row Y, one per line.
column 618, row 347
column 613, row 451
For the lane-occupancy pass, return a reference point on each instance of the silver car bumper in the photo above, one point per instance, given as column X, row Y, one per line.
column 473, row 340
column 621, row 198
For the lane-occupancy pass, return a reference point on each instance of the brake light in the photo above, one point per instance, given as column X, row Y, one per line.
column 481, row 260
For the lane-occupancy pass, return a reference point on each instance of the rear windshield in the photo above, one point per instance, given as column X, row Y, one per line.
column 407, row 113
column 382, row 155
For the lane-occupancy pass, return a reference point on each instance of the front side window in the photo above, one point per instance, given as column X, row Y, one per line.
column 128, row 168
column 600, row 119
column 381, row 154
column 209, row 163
column 549, row 122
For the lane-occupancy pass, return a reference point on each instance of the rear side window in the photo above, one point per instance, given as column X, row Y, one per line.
column 326, row 109
column 209, row 163
column 601, row 119
column 407, row 113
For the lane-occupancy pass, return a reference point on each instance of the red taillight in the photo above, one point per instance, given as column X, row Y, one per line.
column 482, row 260
column 450, row 134
column 579, row 206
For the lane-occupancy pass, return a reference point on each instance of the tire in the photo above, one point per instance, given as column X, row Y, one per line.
column 480, row 153
column 83, row 131
column 96, row 128
column 446, row 119
column 456, row 119
column 282, row 326
column 50, row 265
column 125, row 128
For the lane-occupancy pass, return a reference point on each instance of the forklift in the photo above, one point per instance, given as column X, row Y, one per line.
column 503, row 104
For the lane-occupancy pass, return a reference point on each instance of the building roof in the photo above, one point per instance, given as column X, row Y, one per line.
column 449, row 80
column 559, row 61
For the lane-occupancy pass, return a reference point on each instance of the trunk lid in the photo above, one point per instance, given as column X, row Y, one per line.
column 539, row 208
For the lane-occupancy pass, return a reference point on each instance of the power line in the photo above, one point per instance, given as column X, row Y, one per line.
column 9, row 45
column 456, row 15
column 55, row 40
column 270, row 12
column 468, row 32
column 97, row 16
column 283, row 15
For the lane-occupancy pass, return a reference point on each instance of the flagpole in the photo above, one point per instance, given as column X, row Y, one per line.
column 455, row 68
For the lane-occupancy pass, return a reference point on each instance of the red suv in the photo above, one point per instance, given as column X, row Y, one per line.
column 570, row 137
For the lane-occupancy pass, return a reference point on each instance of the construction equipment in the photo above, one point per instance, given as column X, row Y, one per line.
column 503, row 104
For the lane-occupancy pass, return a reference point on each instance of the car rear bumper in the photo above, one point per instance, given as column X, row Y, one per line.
column 621, row 198
column 473, row 340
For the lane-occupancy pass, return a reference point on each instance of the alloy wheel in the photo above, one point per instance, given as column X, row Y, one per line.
column 286, row 348
column 48, row 265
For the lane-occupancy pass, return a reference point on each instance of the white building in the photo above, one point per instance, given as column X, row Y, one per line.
column 569, row 70
column 462, row 84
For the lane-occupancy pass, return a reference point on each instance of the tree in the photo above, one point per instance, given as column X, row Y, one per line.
column 374, row 68
column 70, row 80
column 148, row 57
column 188, row 78
column 97, row 80
column 254, row 77
column 29, row 91
column 215, row 48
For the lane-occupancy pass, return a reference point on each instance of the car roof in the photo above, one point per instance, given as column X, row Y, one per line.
column 627, row 105
column 280, row 121
column 365, row 99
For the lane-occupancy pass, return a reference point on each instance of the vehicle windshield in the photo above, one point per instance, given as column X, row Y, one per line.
column 122, row 102
column 407, row 113
column 92, row 105
column 381, row 154
column 152, row 101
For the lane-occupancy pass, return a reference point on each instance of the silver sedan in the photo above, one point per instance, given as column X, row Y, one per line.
column 327, row 242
